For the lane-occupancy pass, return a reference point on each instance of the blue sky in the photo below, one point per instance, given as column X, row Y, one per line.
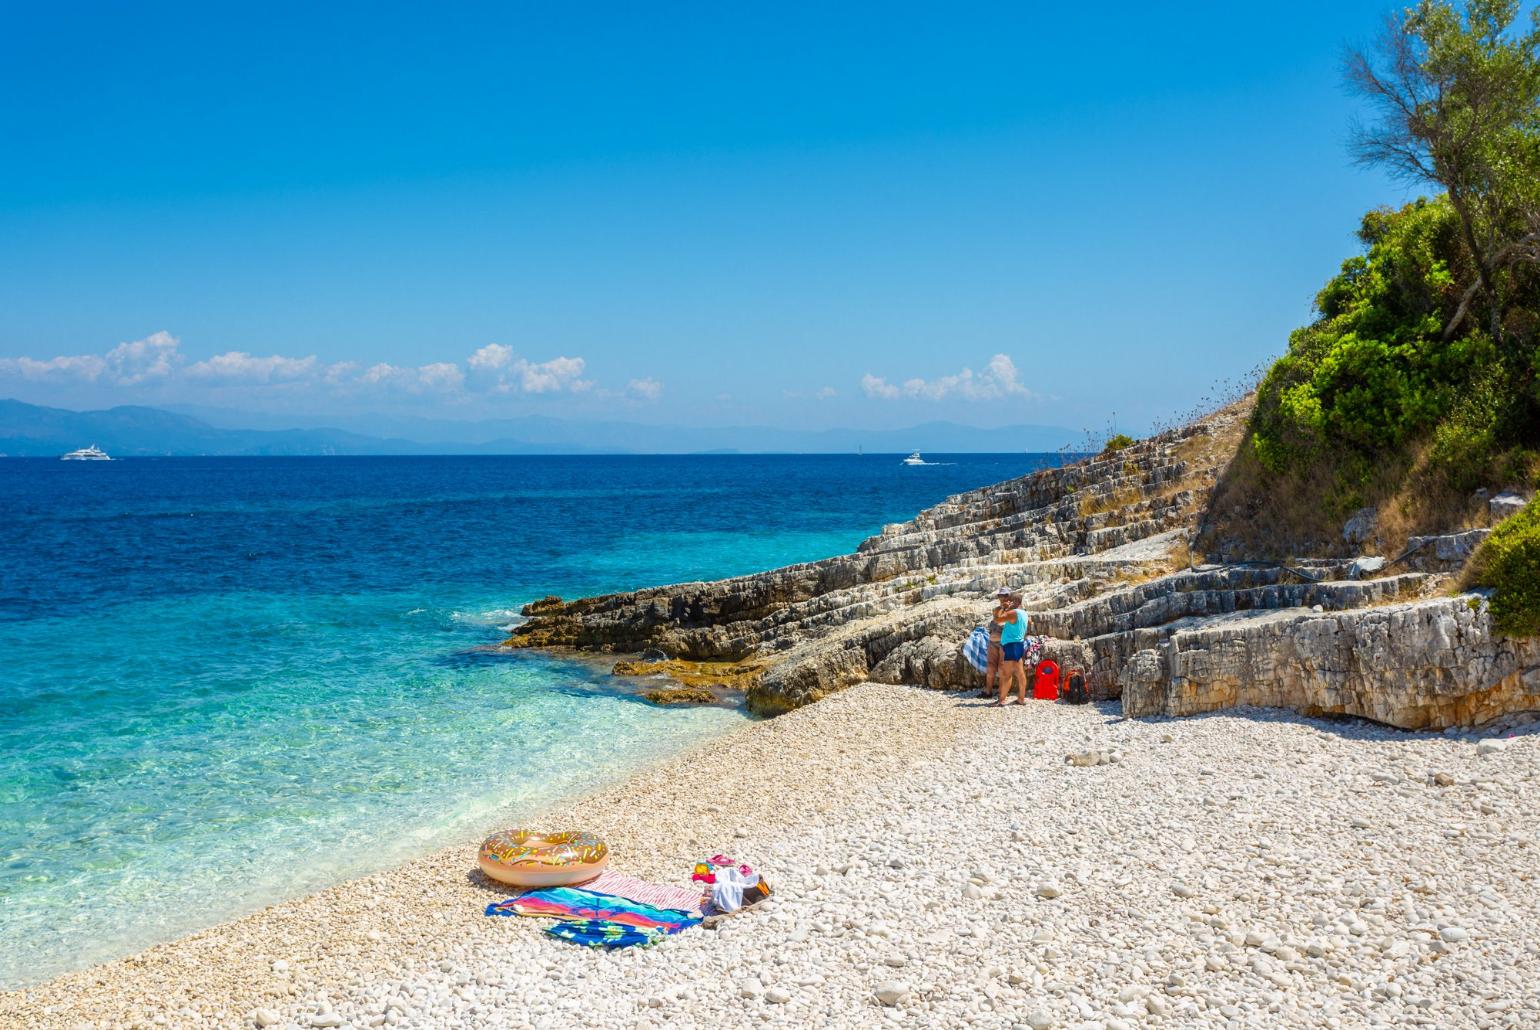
column 809, row 215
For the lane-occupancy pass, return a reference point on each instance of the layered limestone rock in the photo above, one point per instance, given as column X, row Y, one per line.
column 1098, row 551
column 1422, row 665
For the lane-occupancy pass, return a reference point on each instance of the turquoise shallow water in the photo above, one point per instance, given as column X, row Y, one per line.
column 226, row 682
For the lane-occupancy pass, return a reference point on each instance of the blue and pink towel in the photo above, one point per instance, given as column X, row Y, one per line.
column 599, row 919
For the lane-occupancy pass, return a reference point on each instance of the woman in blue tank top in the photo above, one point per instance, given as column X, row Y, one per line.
column 1013, row 635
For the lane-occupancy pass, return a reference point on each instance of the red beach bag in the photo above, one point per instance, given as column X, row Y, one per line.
column 1045, row 685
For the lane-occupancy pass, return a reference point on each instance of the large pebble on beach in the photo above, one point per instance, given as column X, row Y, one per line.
column 891, row 992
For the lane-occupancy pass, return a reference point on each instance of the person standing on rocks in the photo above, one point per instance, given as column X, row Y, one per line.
column 1013, row 637
column 1003, row 598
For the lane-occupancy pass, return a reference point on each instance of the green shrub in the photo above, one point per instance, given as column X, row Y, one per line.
column 1118, row 442
column 1509, row 562
column 1373, row 371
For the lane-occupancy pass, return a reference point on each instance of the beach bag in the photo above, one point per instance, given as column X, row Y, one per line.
column 1075, row 692
column 976, row 649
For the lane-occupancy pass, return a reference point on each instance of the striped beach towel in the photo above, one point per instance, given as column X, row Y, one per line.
column 658, row 895
column 976, row 649
column 573, row 903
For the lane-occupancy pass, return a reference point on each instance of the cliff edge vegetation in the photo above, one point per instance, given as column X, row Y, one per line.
column 1418, row 384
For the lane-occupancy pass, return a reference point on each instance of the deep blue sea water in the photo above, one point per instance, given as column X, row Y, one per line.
column 229, row 681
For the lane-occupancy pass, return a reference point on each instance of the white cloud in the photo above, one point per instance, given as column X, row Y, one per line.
column 157, row 359
column 491, row 357
column 66, row 366
column 441, row 375
column 127, row 364
column 338, row 371
column 999, row 379
column 549, row 376
column 495, row 364
column 381, row 373
column 648, row 389
column 153, row 357
column 876, row 386
column 238, row 366
column 826, row 392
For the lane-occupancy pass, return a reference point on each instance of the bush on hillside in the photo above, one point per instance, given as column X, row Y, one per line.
column 1426, row 351
column 1118, row 442
column 1373, row 375
column 1509, row 562
column 1372, row 372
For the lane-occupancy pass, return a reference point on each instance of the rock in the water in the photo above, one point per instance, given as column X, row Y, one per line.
column 681, row 696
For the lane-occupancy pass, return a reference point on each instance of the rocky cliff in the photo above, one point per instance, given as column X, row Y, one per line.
column 1099, row 551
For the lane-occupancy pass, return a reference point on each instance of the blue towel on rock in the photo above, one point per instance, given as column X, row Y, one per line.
column 976, row 649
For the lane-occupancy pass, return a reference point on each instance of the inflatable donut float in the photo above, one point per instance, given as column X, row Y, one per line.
column 525, row 858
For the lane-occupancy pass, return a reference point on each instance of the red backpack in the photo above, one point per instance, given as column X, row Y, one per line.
column 1045, row 687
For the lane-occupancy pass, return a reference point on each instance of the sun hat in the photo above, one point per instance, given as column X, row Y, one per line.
column 1003, row 592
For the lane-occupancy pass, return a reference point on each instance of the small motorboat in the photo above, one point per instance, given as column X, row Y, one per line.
column 915, row 459
column 91, row 453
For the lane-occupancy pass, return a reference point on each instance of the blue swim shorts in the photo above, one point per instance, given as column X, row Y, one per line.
column 1012, row 652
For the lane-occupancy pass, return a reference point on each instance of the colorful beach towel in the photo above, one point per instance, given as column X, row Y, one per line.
column 601, row 933
column 573, row 903
column 658, row 895
column 976, row 649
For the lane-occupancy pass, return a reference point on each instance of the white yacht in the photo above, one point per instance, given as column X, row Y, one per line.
column 91, row 453
column 914, row 459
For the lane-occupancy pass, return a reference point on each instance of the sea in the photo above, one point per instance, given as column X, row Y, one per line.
column 226, row 682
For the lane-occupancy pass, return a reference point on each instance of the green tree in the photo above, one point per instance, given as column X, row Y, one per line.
column 1433, row 332
column 1459, row 104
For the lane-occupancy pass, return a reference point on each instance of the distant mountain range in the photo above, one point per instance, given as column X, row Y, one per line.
column 32, row 430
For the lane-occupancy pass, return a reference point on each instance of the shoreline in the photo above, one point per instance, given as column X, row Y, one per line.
column 364, row 919
column 1252, row 866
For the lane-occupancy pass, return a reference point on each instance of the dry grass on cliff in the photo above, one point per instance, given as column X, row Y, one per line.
column 1256, row 514
column 1123, row 497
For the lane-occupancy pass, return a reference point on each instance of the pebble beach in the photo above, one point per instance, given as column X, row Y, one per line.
column 937, row 862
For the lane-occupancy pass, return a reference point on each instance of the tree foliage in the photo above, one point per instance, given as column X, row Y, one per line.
column 1459, row 105
column 1432, row 332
